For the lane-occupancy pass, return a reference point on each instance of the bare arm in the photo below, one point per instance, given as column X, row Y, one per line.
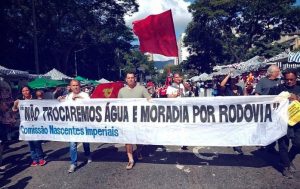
column 223, row 83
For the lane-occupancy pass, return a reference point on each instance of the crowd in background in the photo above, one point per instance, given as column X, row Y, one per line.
column 208, row 88
column 174, row 86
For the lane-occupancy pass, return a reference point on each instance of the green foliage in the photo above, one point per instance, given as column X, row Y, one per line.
column 230, row 31
column 64, row 26
column 169, row 69
column 135, row 60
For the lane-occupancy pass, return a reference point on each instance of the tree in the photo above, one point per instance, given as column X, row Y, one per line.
column 135, row 59
column 170, row 69
column 64, row 27
column 230, row 31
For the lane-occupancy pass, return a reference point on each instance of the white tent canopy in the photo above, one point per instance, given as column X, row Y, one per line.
column 252, row 64
column 11, row 72
column 225, row 71
column 102, row 80
column 57, row 75
column 205, row 77
column 202, row 77
column 278, row 58
column 195, row 78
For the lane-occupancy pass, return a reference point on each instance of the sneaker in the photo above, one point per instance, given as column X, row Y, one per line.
column 184, row 148
column 287, row 173
column 34, row 164
column 72, row 168
column 130, row 165
column 42, row 162
column 89, row 159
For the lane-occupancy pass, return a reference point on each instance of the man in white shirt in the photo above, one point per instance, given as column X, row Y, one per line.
column 176, row 89
column 74, row 95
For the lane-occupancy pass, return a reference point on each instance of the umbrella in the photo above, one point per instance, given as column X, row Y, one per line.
column 85, row 81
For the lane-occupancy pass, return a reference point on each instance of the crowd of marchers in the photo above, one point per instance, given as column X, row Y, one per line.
column 273, row 82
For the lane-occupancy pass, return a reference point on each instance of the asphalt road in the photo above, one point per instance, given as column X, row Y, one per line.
column 162, row 167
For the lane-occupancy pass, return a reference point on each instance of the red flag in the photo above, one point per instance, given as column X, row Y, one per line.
column 157, row 34
column 107, row 90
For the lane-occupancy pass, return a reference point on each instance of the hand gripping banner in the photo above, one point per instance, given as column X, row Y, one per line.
column 209, row 121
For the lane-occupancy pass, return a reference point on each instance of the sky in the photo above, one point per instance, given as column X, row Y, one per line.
column 181, row 16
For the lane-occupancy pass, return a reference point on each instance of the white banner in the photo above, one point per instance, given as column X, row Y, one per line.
column 208, row 121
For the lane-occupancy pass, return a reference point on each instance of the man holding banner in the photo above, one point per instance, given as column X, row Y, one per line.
column 290, row 77
column 176, row 89
column 74, row 95
column 229, row 87
column 132, row 90
column 263, row 88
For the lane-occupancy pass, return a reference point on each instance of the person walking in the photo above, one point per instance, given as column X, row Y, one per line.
column 36, row 150
column 75, row 95
column 293, row 133
column 132, row 90
column 229, row 87
column 177, row 90
column 263, row 88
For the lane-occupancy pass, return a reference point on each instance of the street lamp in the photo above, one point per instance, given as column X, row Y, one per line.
column 76, row 59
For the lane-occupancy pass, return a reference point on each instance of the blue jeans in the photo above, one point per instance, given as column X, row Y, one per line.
column 73, row 151
column 36, row 150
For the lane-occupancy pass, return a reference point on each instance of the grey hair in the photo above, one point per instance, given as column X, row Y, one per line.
column 271, row 69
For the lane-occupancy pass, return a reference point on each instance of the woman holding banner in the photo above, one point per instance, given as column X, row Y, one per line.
column 36, row 150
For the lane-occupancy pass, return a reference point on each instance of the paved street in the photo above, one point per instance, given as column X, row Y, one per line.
column 162, row 167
